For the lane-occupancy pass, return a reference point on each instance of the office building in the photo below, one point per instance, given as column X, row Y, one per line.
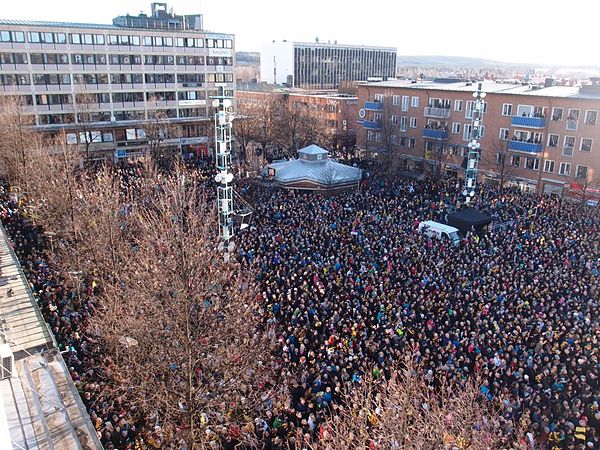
column 114, row 79
column 319, row 65
column 541, row 139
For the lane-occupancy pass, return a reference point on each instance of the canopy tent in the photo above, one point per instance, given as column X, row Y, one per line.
column 469, row 219
column 313, row 170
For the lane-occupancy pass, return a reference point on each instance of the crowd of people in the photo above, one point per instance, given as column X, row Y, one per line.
column 352, row 289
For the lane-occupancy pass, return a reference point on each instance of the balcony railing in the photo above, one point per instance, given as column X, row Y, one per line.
column 374, row 106
column 528, row 122
column 522, row 146
column 572, row 124
column 373, row 124
column 430, row 133
column 440, row 113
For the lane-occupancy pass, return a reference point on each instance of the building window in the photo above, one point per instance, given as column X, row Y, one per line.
column 586, row 145
column 395, row 100
column 515, row 160
column 591, row 117
column 532, row 163
column 553, row 140
column 564, row 169
column 549, row 166
column 12, row 36
column 458, row 105
column 503, row 135
column 582, row 172
column 378, row 137
column 557, row 114
column 394, row 119
column 369, row 135
column 413, row 122
column 456, row 128
column 414, row 102
column 71, row 138
column 569, row 145
column 405, row 103
column 507, row 109
column 403, row 122
column 467, row 128
column 572, row 119
column 501, row 157
column 411, row 142
column 379, row 98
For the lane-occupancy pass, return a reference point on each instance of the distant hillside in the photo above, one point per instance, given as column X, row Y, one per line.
column 450, row 61
column 247, row 58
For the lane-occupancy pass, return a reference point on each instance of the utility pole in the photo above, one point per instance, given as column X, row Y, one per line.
column 474, row 154
column 224, row 178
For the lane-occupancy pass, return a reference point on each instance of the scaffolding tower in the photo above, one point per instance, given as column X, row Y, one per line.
column 223, row 106
column 474, row 154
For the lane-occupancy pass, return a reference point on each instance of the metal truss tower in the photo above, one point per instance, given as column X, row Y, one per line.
column 472, row 169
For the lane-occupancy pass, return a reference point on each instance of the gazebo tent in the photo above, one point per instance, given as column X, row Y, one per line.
column 313, row 170
column 469, row 219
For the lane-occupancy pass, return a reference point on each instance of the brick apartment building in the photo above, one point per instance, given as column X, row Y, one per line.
column 337, row 111
column 542, row 139
column 128, row 70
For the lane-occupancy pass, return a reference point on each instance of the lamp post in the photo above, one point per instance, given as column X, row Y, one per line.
column 474, row 154
column 224, row 178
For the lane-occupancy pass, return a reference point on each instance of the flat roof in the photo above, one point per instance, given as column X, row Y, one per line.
column 100, row 26
column 334, row 45
column 40, row 407
column 489, row 87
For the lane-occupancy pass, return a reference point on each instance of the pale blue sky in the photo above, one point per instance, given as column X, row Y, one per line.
column 535, row 31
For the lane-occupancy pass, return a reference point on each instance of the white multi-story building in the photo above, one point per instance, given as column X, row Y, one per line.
column 318, row 65
column 117, row 77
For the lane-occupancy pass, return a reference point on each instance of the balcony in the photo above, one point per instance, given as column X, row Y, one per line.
column 372, row 124
column 528, row 122
column 374, row 106
column 440, row 113
column 522, row 146
column 430, row 133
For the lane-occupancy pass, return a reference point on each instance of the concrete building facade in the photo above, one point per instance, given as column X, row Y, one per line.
column 319, row 65
column 542, row 139
column 117, row 77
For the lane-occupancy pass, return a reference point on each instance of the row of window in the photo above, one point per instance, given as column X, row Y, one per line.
column 569, row 142
column 115, row 78
column 101, row 59
column 38, row 37
column 558, row 114
column 564, row 168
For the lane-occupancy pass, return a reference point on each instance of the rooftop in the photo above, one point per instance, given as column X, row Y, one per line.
column 40, row 407
column 490, row 87
column 336, row 45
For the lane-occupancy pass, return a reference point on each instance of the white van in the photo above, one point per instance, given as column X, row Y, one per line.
column 439, row 231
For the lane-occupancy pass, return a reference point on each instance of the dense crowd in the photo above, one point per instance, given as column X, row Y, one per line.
column 352, row 289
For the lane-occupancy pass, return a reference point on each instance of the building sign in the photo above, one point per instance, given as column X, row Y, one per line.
column 121, row 153
column 219, row 52
column 194, row 140
column 362, row 113
column 191, row 102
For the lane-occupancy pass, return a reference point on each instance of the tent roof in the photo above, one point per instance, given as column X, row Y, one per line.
column 470, row 217
column 313, row 150
column 325, row 172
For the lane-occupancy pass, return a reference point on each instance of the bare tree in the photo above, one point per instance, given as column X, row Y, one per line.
column 181, row 328
column 16, row 137
column 242, row 129
column 497, row 159
column 404, row 412
column 158, row 128
column 589, row 187
column 86, row 110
